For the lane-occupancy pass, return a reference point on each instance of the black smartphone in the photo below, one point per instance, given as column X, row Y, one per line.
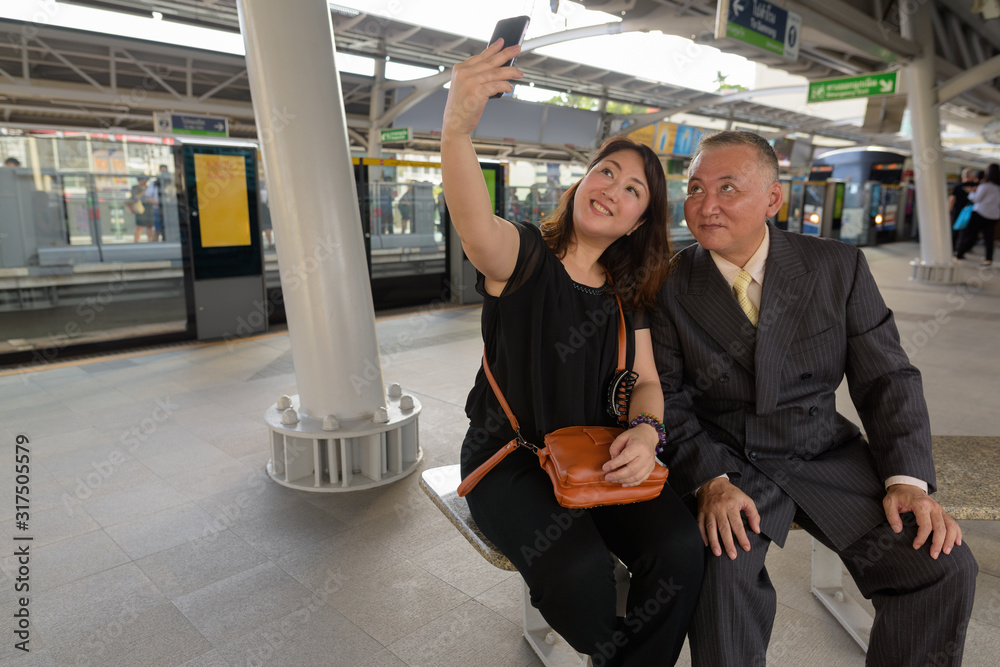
column 512, row 30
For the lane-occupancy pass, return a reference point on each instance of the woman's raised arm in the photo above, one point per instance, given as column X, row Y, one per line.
column 490, row 242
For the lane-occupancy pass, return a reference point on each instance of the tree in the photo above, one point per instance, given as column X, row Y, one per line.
column 720, row 79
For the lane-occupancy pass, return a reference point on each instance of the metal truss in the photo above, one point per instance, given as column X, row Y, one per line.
column 58, row 77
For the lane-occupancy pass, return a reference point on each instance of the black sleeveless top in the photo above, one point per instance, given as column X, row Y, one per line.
column 552, row 345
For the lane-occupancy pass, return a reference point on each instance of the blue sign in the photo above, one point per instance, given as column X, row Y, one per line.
column 761, row 24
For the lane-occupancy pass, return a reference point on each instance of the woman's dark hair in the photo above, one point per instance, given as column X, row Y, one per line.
column 638, row 263
column 993, row 173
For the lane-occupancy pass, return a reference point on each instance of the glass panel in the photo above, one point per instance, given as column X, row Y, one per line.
column 406, row 225
column 80, row 213
column 68, row 220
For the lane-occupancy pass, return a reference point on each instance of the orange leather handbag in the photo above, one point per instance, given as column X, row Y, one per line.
column 574, row 456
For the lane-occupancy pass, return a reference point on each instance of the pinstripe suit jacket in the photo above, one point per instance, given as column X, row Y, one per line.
column 760, row 405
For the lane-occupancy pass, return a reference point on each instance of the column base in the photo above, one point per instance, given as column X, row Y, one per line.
column 942, row 274
column 349, row 456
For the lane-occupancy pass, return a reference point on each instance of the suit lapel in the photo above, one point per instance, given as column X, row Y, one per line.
column 711, row 304
column 788, row 285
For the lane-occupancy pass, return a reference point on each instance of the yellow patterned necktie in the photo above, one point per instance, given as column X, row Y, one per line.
column 740, row 286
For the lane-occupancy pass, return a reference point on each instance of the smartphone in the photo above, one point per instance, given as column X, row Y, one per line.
column 512, row 30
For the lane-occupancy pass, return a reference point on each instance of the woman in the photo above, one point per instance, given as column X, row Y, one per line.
column 550, row 329
column 985, row 213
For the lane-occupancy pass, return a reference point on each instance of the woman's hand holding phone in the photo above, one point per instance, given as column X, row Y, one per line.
column 473, row 82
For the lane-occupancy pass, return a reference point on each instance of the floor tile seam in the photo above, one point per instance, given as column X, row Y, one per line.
column 83, row 635
column 174, row 505
column 515, row 626
column 255, row 631
column 430, row 619
column 424, row 394
column 128, row 560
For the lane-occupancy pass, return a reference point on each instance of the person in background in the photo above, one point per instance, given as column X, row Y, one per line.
column 754, row 331
column 12, row 162
column 985, row 215
column 540, row 287
column 138, row 206
column 959, row 199
column 153, row 195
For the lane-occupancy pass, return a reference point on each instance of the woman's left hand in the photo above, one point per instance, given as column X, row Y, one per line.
column 632, row 456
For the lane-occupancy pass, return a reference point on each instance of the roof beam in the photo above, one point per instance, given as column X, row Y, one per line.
column 61, row 58
column 153, row 75
column 223, row 85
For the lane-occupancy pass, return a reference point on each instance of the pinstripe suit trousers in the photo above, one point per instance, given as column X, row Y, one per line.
column 922, row 605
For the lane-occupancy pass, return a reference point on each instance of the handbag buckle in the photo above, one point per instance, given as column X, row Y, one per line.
column 521, row 442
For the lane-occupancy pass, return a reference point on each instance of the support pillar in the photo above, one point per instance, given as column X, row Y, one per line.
column 341, row 432
column 935, row 263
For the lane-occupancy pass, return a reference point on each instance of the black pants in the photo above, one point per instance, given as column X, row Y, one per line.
column 565, row 557
column 977, row 225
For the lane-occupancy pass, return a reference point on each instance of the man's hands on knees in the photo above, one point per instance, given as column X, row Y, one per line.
column 930, row 516
column 719, row 506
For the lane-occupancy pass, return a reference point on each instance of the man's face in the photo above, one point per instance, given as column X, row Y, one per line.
column 729, row 198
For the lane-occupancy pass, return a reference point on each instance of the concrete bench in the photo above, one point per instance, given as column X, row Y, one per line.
column 967, row 489
column 440, row 484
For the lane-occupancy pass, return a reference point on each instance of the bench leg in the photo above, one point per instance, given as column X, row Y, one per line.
column 828, row 587
column 552, row 649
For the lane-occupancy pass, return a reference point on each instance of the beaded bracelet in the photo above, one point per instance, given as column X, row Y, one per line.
column 646, row 418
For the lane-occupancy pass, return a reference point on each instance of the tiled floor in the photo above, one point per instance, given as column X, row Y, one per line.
column 159, row 540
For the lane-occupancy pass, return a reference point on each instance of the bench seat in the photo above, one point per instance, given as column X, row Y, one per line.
column 967, row 487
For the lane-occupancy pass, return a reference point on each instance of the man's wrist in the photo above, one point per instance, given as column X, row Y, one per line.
column 906, row 479
column 722, row 476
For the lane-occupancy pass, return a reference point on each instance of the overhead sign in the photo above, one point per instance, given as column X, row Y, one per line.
column 191, row 124
column 761, row 24
column 396, row 134
column 850, row 87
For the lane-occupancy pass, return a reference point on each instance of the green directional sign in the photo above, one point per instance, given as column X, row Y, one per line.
column 867, row 85
column 394, row 135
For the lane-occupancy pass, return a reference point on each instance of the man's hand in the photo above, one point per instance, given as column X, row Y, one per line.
column 931, row 517
column 719, row 507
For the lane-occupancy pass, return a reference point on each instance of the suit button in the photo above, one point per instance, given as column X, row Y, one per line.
column 753, row 456
column 724, row 377
column 814, row 411
column 806, row 376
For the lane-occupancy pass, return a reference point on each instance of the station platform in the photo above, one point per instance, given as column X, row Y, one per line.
column 160, row 540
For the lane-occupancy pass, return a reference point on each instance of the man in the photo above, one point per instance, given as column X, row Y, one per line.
column 12, row 162
column 749, row 378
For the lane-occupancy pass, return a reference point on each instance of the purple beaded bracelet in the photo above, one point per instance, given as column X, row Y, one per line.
column 646, row 418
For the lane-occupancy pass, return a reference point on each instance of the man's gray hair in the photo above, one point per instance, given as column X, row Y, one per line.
column 767, row 160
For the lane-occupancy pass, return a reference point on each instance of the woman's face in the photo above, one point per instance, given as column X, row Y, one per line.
column 611, row 198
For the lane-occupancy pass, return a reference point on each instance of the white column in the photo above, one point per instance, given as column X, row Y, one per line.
column 301, row 124
column 928, row 167
column 341, row 432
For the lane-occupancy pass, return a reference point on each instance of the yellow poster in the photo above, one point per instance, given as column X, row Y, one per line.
column 223, row 208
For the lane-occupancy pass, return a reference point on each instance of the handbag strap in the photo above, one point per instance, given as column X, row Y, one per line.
column 503, row 401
